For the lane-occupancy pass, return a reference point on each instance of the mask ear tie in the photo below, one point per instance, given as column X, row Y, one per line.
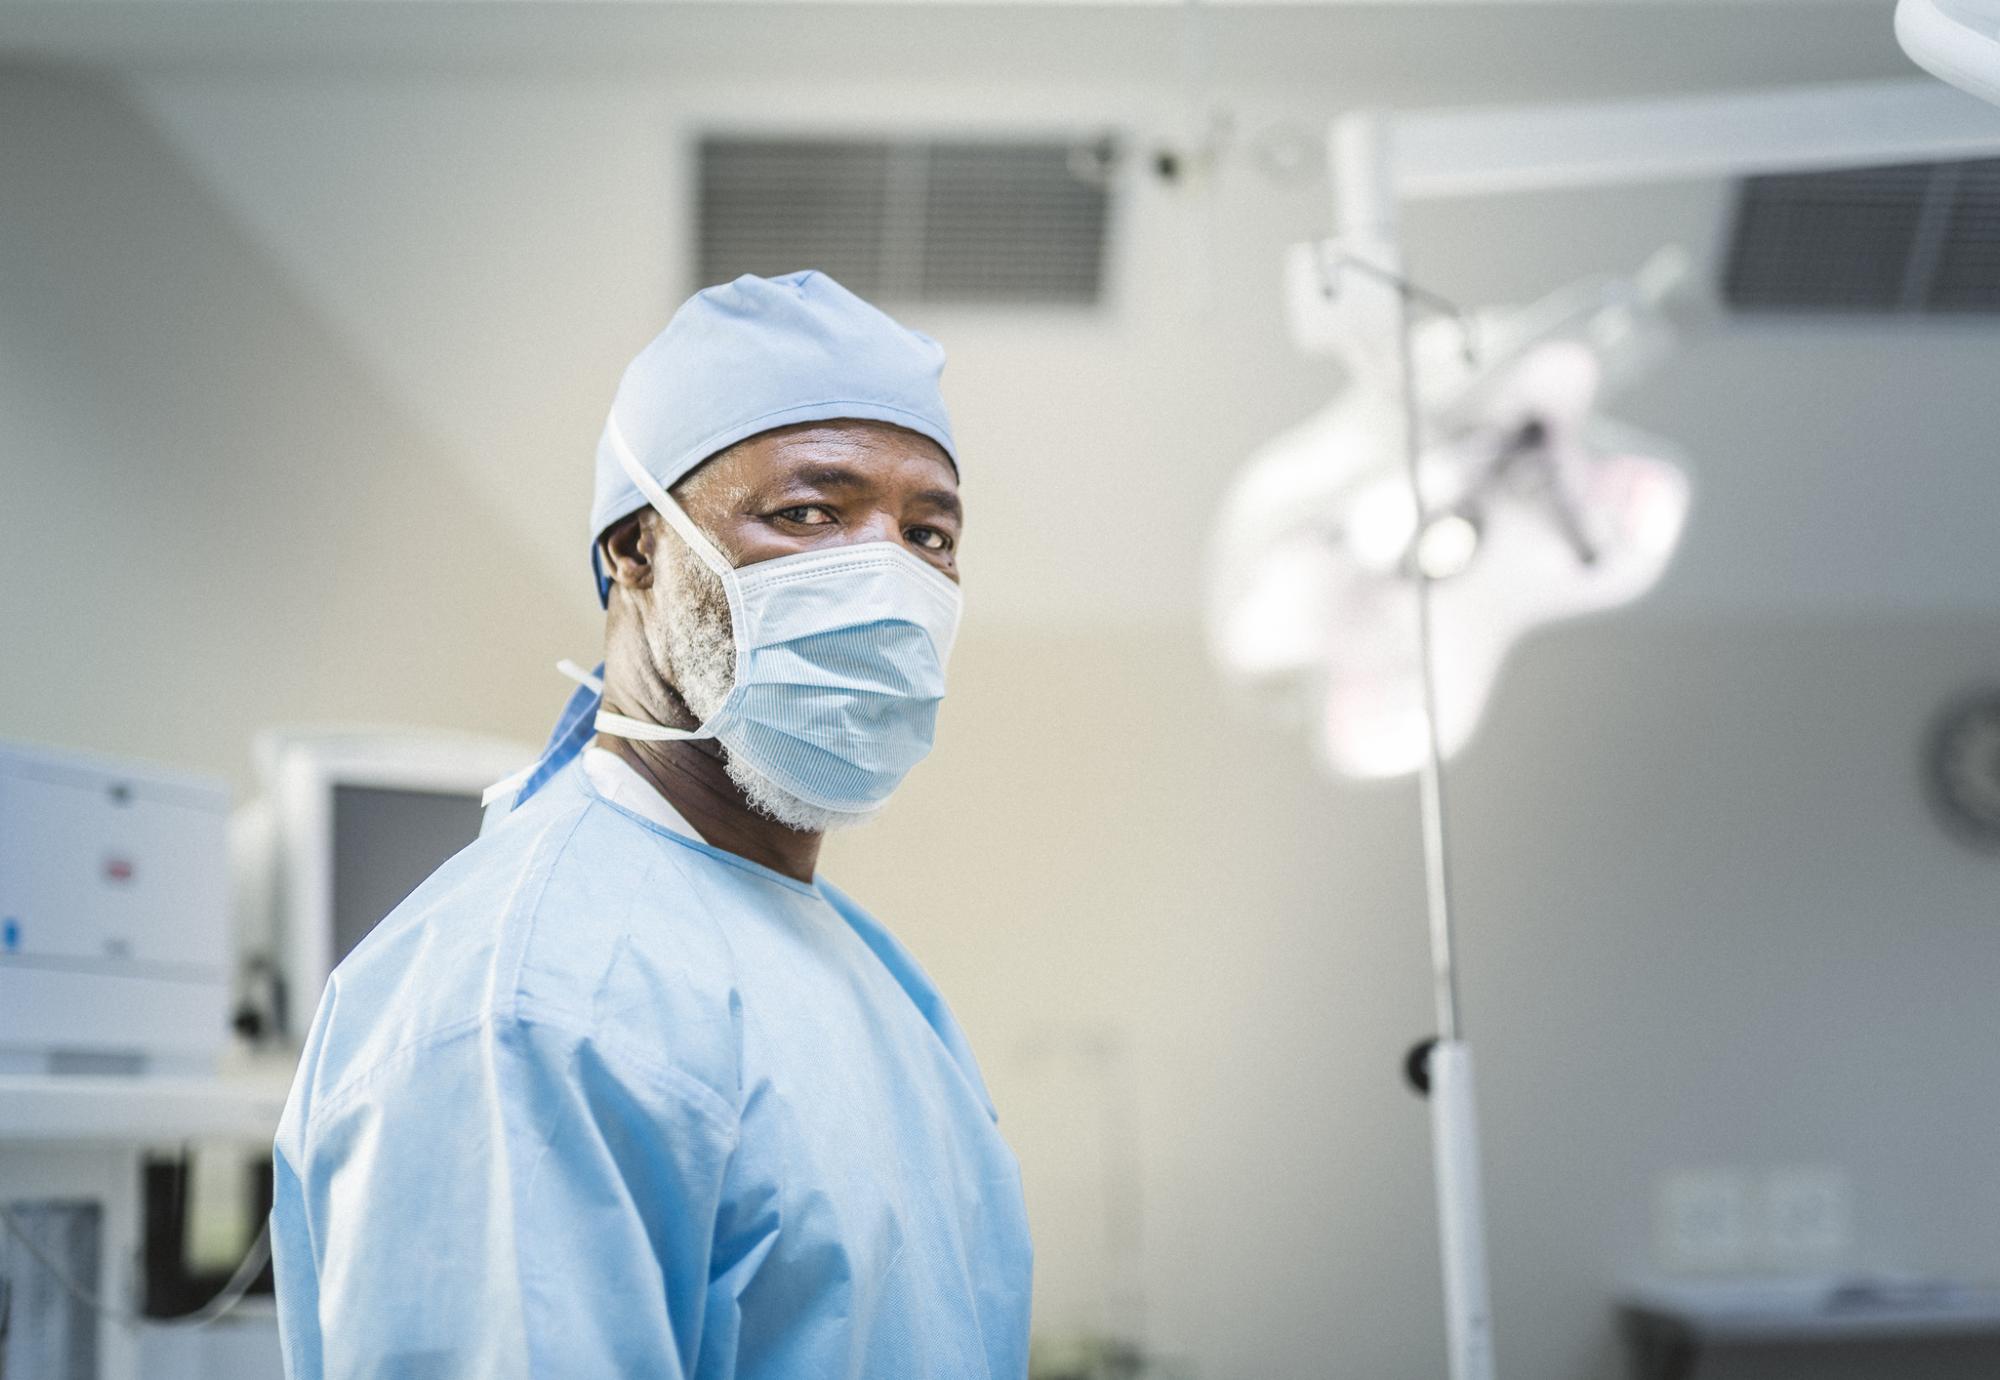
column 638, row 730
column 587, row 679
column 664, row 504
column 618, row 725
column 507, row 785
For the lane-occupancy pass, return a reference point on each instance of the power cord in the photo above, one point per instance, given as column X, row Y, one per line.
column 225, row 1301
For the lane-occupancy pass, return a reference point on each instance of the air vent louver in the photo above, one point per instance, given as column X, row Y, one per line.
column 956, row 221
column 1967, row 277
column 1916, row 238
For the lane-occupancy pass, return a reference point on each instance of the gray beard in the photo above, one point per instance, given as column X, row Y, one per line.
column 693, row 650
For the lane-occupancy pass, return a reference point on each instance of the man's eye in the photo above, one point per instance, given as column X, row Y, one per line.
column 807, row 515
column 929, row 538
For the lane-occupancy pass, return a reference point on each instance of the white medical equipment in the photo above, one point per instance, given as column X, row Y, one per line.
column 75, row 1146
column 1955, row 40
column 1536, row 509
column 114, row 916
column 349, row 822
column 1353, row 298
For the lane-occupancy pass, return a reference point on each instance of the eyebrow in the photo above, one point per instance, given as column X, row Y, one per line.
column 824, row 476
column 944, row 501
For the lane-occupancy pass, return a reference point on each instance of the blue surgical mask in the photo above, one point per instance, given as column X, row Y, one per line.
column 840, row 658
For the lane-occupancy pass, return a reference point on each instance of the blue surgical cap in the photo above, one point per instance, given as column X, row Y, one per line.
column 755, row 354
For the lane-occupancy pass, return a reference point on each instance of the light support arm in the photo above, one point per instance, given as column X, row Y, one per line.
column 1366, row 216
column 1377, row 162
column 1954, row 40
column 1477, row 151
column 1454, row 1119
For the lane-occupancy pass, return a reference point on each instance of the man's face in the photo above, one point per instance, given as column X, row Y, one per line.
column 821, row 484
column 799, row 488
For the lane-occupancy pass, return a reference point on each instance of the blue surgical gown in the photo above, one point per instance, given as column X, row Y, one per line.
column 598, row 1100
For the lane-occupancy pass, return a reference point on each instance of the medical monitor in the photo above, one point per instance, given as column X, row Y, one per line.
column 349, row 825
column 385, row 841
column 114, row 915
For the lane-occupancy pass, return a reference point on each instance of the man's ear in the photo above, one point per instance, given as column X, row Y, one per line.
column 626, row 549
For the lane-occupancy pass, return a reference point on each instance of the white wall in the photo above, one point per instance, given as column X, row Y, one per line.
column 305, row 337
column 1706, row 923
column 215, row 516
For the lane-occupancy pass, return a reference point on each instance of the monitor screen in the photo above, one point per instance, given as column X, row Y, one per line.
column 385, row 842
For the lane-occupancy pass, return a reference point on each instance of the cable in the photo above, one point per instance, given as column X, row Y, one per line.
column 225, row 1301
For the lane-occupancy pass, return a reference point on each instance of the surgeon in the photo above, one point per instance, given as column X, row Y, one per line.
column 626, row 1089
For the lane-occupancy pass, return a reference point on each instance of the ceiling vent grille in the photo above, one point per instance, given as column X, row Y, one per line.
column 913, row 221
column 1919, row 238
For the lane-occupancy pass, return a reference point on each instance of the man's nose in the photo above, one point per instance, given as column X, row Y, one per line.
column 877, row 525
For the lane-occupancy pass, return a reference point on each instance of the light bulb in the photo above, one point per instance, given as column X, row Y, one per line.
column 1380, row 522
column 1447, row 546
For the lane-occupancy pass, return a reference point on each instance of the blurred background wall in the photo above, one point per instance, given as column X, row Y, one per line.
column 308, row 318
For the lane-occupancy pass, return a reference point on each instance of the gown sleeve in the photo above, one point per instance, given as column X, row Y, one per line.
column 501, row 1200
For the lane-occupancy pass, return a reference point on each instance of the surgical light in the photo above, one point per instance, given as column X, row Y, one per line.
column 1537, row 509
column 1377, row 563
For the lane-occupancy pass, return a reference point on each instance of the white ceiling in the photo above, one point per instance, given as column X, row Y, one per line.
column 1419, row 49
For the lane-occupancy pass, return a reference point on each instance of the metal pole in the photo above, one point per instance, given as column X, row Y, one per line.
column 1366, row 214
column 1430, row 779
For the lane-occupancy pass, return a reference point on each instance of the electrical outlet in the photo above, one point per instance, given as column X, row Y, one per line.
column 1702, row 1221
column 1805, row 1217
